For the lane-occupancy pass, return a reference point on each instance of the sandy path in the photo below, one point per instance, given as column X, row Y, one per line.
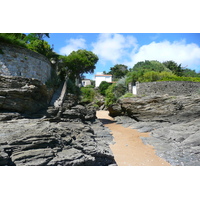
column 129, row 150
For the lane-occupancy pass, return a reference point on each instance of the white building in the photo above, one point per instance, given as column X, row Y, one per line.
column 102, row 77
column 86, row 82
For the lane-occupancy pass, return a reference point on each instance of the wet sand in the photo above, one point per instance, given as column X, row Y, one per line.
column 129, row 150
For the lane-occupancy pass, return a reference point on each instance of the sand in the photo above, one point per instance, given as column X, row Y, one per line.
column 129, row 150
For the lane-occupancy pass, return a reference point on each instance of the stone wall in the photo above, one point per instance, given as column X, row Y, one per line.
column 168, row 87
column 19, row 61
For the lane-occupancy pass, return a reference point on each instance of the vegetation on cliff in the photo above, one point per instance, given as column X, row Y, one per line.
column 146, row 71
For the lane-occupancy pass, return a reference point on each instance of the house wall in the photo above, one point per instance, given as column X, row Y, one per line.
column 99, row 79
column 19, row 61
column 86, row 82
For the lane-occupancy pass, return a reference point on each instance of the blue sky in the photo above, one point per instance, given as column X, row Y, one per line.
column 130, row 48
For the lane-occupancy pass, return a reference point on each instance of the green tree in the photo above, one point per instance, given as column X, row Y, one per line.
column 35, row 36
column 118, row 71
column 150, row 65
column 79, row 62
column 190, row 73
column 174, row 67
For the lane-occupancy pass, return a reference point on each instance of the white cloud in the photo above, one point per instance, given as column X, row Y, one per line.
column 73, row 45
column 178, row 51
column 113, row 47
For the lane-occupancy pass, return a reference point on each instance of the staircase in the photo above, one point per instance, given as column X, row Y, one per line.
column 56, row 103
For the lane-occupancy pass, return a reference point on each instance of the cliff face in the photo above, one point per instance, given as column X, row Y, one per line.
column 173, row 121
column 76, row 137
column 22, row 95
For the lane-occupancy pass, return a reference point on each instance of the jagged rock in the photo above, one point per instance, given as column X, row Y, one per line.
column 22, row 95
column 158, row 108
column 34, row 142
column 79, row 111
column 174, row 123
column 32, row 136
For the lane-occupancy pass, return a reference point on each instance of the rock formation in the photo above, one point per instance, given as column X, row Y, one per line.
column 74, row 137
column 22, row 95
column 174, row 123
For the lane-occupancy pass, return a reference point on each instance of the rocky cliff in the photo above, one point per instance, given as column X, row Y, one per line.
column 22, row 95
column 74, row 137
column 173, row 121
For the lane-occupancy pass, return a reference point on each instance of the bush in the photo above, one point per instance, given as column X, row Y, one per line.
column 110, row 96
column 11, row 38
column 103, row 87
column 119, row 90
column 89, row 86
column 87, row 94
column 152, row 76
column 128, row 95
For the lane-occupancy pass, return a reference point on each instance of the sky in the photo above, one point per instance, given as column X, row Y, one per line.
column 130, row 48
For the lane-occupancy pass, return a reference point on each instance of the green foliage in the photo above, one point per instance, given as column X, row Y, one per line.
column 152, row 65
column 72, row 88
column 133, row 76
column 79, row 62
column 190, row 73
column 119, row 90
column 128, row 95
column 110, row 97
column 41, row 47
column 103, row 87
column 150, row 71
column 13, row 38
column 174, row 67
column 152, row 76
column 118, row 71
column 179, row 78
column 115, row 91
column 32, row 41
column 87, row 95
column 89, row 86
column 35, row 36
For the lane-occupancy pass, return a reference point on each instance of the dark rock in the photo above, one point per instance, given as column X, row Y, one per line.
column 30, row 135
column 34, row 142
column 158, row 108
column 115, row 110
column 174, row 123
column 22, row 95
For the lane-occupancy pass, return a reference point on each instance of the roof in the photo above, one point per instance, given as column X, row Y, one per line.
column 103, row 75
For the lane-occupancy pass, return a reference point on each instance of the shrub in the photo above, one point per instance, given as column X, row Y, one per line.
column 128, row 95
column 103, row 87
column 11, row 38
column 89, row 86
column 119, row 90
column 87, row 94
column 110, row 96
